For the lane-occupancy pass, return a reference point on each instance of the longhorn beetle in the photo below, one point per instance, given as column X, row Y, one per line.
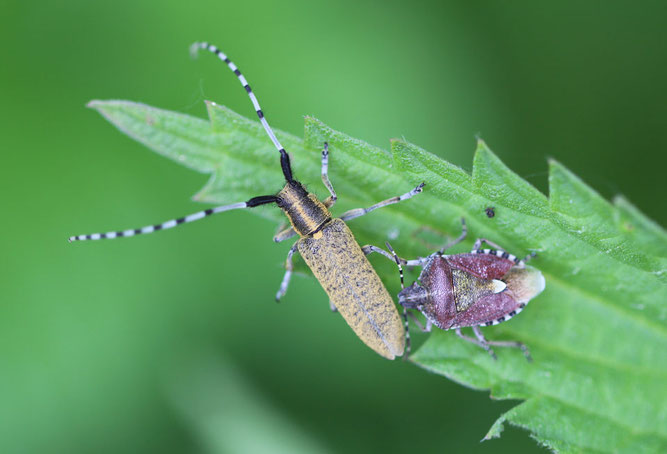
column 482, row 288
column 326, row 243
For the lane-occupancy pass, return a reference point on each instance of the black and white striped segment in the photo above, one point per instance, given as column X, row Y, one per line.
column 500, row 253
column 221, row 55
column 174, row 222
column 505, row 317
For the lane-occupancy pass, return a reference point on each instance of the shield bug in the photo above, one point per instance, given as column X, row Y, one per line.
column 482, row 288
column 490, row 212
column 326, row 244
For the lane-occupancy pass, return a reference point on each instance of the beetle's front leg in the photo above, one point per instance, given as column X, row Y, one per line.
column 289, row 267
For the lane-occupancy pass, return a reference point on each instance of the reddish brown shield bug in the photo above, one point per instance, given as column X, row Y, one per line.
column 482, row 288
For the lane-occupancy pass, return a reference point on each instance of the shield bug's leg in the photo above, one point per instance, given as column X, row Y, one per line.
column 255, row 201
column 288, row 274
column 423, row 328
column 424, row 228
column 499, row 251
column 530, row 256
column 284, row 235
column 480, row 341
column 461, row 237
column 512, row 344
column 478, row 244
column 355, row 213
column 331, row 200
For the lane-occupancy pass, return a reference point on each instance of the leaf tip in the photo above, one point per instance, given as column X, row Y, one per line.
column 496, row 429
column 480, row 142
column 553, row 163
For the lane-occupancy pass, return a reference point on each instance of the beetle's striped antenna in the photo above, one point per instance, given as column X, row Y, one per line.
column 405, row 310
column 255, row 201
column 284, row 157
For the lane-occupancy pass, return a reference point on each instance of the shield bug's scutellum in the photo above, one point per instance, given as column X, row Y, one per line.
column 326, row 244
column 482, row 288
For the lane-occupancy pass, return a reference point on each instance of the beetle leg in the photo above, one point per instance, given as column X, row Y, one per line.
column 329, row 202
column 481, row 341
column 369, row 248
column 284, row 235
column 512, row 344
column 355, row 213
column 288, row 274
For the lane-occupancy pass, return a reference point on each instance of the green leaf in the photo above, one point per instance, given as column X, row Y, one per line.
column 598, row 333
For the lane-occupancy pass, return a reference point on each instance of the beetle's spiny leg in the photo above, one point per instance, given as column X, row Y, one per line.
column 284, row 235
column 357, row 212
column 255, row 201
column 482, row 343
column 511, row 344
column 288, row 274
column 331, row 200
column 369, row 248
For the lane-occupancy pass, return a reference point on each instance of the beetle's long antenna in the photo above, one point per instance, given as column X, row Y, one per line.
column 284, row 157
column 255, row 201
column 405, row 310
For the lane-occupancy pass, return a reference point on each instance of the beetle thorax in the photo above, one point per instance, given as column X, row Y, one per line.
column 305, row 212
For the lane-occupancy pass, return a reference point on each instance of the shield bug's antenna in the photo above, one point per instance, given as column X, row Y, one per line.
column 405, row 310
column 284, row 157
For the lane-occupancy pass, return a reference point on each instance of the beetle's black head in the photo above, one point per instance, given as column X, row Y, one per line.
column 413, row 297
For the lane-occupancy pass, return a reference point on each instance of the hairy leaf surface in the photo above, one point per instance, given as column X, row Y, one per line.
column 598, row 333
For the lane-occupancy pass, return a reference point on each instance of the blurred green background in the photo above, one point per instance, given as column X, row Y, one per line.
column 172, row 342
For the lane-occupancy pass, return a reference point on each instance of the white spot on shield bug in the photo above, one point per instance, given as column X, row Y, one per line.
column 498, row 286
